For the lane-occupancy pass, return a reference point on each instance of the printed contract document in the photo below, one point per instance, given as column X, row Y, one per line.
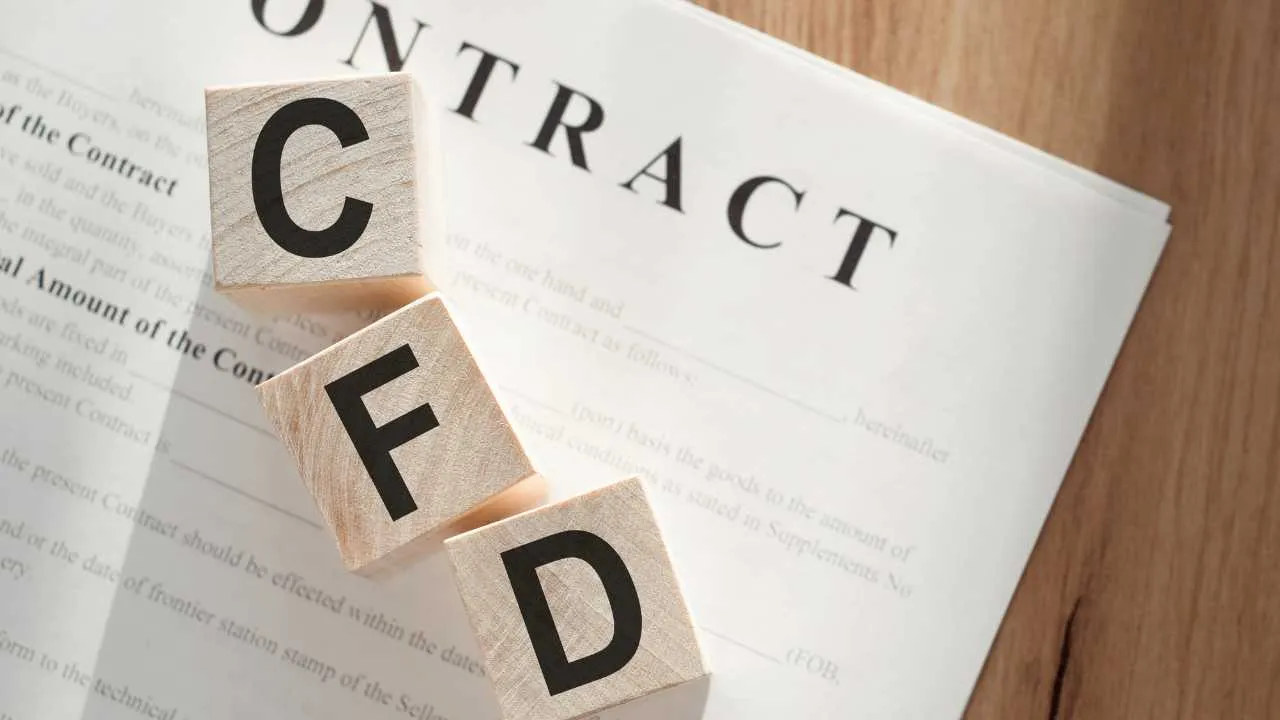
column 850, row 341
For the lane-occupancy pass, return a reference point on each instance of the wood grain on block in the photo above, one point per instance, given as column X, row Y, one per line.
column 317, row 193
column 576, row 606
column 396, row 434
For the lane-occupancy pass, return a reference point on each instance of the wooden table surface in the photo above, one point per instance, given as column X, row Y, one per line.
column 1154, row 591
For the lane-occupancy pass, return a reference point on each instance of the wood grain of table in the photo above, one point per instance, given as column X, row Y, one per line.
column 1154, row 591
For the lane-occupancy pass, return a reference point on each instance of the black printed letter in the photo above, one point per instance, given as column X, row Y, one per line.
column 373, row 443
column 742, row 196
column 268, row 195
column 671, row 177
column 522, row 565
column 572, row 133
column 478, row 81
column 861, row 236
column 310, row 16
column 390, row 47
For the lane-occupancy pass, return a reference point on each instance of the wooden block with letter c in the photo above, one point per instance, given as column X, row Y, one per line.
column 576, row 606
column 318, row 196
column 397, row 435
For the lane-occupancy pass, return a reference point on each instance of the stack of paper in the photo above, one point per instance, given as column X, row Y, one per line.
column 851, row 340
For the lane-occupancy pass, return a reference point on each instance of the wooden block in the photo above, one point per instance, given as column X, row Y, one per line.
column 317, row 193
column 396, row 434
column 576, row 606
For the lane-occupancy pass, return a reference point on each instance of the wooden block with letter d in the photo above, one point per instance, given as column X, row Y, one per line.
column 576, row 606
column 317, row 193
column 397, row 435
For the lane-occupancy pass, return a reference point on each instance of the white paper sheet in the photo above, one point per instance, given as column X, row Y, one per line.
column 850, row 480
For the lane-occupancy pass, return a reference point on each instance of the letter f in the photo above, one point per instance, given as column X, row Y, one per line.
column 374, row 443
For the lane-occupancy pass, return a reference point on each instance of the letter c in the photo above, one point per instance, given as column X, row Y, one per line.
column 71, row 143
column 742, row 196
column 268, row 191
column 217, row 359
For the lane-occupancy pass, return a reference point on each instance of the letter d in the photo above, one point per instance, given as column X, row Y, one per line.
column 522, row 565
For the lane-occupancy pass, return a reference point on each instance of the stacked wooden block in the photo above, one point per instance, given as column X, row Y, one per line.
column 318, row 204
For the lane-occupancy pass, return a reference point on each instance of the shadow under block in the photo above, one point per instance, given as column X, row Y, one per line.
column 396, row 434
column 576, row 606
column 317, row 194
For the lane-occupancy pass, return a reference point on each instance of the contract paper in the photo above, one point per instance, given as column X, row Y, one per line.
column 850, row 342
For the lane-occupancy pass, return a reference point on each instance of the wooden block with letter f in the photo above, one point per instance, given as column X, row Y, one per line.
column 576, row 606
column 398, row 437
column 317, row 193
